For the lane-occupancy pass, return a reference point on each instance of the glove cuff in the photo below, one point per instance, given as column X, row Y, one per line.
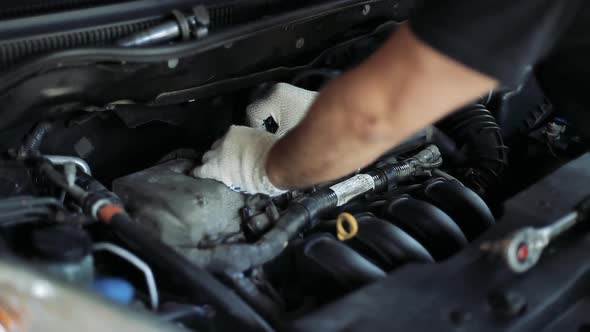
column 265, row 185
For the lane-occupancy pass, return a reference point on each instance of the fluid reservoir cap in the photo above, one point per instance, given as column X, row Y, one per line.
column 64, row 244
column 115, row 289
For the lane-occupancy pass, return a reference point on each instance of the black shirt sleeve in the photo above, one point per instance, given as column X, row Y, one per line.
column 500, row 38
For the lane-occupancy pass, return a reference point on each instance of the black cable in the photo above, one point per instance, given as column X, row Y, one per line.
column 250, row 292
column 33, row 140
column 27, row 209
column 22, row 220
column 29, row 201
column 21, row 212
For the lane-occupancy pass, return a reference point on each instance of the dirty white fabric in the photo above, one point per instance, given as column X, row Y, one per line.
column 285, row 103
column 239, row 160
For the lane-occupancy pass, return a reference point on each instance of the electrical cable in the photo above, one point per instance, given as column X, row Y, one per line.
column 33, row 140
column 29, row 201
column 21, row 220
column 16, row 213
column 26, row 209
column 303, row 214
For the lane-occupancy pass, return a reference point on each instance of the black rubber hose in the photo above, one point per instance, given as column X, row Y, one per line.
column 88, row 183
column 8, row 216
column 27, row 209
column 96, row 191
column 252, row 294
column 233, row 258
column 232, row 313
column 23, row 202
column 478, row 135
column 78, row 193
column 93, row 186
column 33, row 141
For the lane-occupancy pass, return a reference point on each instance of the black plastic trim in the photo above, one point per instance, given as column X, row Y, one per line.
column 164, row 53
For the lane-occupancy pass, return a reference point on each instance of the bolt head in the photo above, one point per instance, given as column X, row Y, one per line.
column 300, row 42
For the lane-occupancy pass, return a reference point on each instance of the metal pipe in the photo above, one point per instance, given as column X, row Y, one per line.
column 182, row 27
column 138, row 263
column 159, row 34
column 59, row 180
column 79, row 162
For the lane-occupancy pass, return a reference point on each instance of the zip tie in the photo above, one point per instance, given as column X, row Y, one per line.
column 353, row 227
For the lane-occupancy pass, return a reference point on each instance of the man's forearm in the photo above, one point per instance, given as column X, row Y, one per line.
column 402, row 88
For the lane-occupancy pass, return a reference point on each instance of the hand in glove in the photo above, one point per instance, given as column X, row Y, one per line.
column 285, row 103
column 239, row 158
column 239, row 161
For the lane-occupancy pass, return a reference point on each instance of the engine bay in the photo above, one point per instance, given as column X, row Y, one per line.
column 97, row 196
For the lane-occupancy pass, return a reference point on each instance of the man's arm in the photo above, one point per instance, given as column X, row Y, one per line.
column 463, row 48
column 402, row 88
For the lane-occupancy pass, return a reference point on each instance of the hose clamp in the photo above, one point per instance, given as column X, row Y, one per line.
column 183, row 26
column 95, row 209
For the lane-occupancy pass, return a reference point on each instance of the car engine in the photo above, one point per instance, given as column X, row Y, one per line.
column 97, row 202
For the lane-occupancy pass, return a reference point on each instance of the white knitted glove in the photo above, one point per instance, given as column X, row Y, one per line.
column 285, row 103
column 239, row 159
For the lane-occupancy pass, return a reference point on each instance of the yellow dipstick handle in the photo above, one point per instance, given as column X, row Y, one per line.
column 341, row 232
